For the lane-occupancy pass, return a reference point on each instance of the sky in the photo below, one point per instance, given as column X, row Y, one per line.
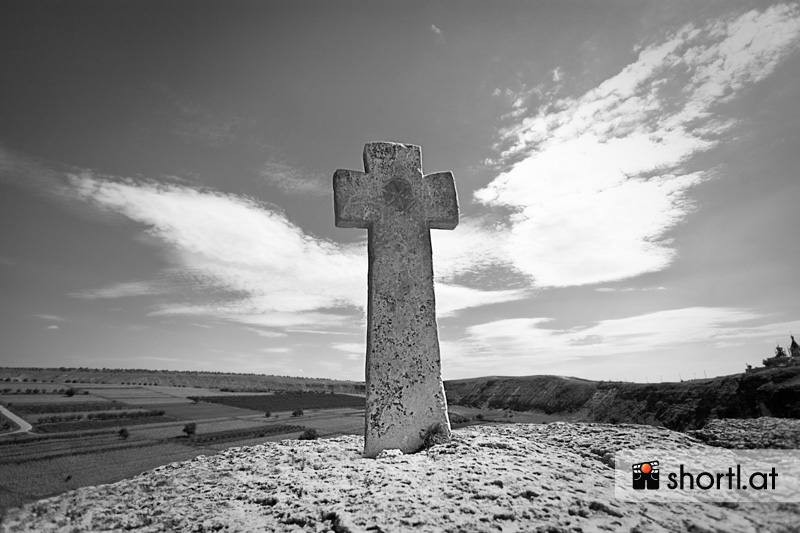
column 627, row 174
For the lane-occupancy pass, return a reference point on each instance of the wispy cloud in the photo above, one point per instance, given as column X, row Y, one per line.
column 122, row 290
column 197, row 124
column 596, row 182
column 629, row 289
column 354, row 350
column 52, row 327
column 50, row 317
column 438, row 33
column 294, row 180
column 245, row 262
column 537, row 340
column 279, row 349
column 266, row 333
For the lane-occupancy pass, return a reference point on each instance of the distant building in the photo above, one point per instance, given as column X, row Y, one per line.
column 781, row 358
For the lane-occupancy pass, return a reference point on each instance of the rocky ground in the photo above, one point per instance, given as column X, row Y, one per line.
column 751, row 433
column 549, row 478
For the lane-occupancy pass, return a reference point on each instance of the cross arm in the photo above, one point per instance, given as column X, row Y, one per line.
column 442, row 209
column 353, row 199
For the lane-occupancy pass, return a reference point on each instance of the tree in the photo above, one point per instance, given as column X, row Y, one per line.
column 190, row 429
column 299, row 412
column 309, row 434
column 124, row 433
column 70, row 392
column 267, row 414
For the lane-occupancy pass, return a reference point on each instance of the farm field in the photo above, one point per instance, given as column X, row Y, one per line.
column 34, row 466
column 288, row 401
column 202, row 410
column 18, row 399
column 32, row 480
column 37, row 465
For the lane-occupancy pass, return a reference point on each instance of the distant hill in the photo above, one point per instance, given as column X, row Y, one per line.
column 679, row 406
column 172, row 378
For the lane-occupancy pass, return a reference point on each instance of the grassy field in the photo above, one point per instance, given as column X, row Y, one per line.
column 35, row 479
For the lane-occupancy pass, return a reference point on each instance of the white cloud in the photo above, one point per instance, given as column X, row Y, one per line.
column 52, row 327
column 266, row 333
column 438, row 33
column 239, row 260
column 281, row 349
column 537, row 340
column 235, row 246
column 294, row 180
column 121, row 290
column 354, row 350
column 50, row 317
column 453, row 298
column 597, row 180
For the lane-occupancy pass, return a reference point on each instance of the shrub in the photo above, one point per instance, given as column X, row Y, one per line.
column 432, row 436
column 298, row 412
column 309, row 434
column 70, row 392
column 190, row 429
column 124, row 433
column 267, row 414
column 479, row 417
column 457, row 419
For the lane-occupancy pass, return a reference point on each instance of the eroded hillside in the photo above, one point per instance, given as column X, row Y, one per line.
column 679, row 406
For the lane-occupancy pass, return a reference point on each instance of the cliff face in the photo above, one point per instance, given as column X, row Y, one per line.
column 678, row 406
column 551, row 477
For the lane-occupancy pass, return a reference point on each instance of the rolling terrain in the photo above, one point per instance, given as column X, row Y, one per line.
column 679, row 406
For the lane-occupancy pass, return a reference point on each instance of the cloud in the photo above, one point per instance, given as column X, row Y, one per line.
column 293, row 180
column 244, row 262
column 121, row 290
column 50, row 317
column 354, row 350
column 197, row 124
column 596, row 182
column 281, row 349
column 266, row 333
column 438, row 33
column 453, row 298
column 539, row 341
column 629, row 289
column 52, row 327
column 234, row 246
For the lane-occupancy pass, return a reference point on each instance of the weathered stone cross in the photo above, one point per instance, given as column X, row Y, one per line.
column 398, row 206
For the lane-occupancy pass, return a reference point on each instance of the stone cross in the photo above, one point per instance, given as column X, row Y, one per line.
column 398, row 207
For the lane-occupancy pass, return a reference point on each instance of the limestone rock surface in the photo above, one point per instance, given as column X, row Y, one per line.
column 548, row 478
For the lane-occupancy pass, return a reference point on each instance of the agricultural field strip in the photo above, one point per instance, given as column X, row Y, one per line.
column 80, row 450
column 28, row 455
column 59, row 408
column 20, row 399
column 55, row 447
column 99, row 468
column 284, row 402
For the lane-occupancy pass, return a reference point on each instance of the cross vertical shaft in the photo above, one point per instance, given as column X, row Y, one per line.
column 398, row 207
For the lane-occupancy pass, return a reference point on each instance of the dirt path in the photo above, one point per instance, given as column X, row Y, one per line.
column 24, row 427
